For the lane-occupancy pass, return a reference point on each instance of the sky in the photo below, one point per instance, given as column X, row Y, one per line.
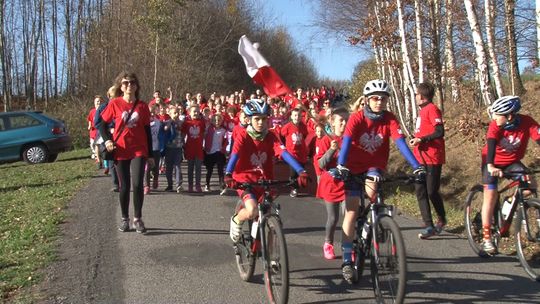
column 333, row 58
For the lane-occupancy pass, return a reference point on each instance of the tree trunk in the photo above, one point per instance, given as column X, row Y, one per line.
column 489, row 10
column 420, row 50
column 515, row 78
column 6, row 83
column 434, row 8
column 156, row 61
column 408, row 76
column 449, row 51
column 481, row 62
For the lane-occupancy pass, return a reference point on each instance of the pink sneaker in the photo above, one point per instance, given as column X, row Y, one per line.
column 328, row 250
column 146, row 190
column 198, row 188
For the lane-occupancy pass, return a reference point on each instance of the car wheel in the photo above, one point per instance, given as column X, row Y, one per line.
column 52, row 158
column 35, row 154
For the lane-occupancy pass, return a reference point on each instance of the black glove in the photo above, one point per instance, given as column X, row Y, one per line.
column 343, row 172
column 420, row 174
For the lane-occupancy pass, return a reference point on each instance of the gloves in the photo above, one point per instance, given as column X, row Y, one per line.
column 343, row 172
column 420, row 174
column 303, row 179
column 230, row 182
column 374, row 175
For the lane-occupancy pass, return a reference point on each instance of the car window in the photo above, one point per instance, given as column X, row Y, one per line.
column 22, row 121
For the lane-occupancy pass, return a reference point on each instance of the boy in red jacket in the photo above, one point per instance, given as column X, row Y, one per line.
column 294, row 135
column 193, row 129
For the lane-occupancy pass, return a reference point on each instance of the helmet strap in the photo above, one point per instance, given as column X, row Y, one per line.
column 511, row 125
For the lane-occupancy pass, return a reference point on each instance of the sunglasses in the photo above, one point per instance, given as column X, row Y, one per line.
column 129, row 82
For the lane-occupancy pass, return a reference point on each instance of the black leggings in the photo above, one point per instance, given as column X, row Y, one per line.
column 332, row 212
column 210, row 160
column 429, row 191
column 131, row 173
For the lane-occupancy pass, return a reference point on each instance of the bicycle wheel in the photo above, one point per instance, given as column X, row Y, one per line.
column 528, row 237
column 276, row 275
column 245, row 258
column 388, row 262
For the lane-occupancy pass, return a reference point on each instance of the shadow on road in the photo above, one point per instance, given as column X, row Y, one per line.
column 165, row 231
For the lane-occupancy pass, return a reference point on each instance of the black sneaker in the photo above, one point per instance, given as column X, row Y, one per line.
column 124, row 225
column 347, row 271
column 114, row 189
column 139, row 226
column 168, row 189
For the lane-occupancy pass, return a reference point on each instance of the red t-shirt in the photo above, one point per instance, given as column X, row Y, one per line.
column 194, row 131
column 132, row 142
column 93, row 131
column 321, row 146
column 431, row 152
column 511, row 144
column 370, row 141
column 330, row 189
column 254, row 155
column 295, row 136
column 153, row 101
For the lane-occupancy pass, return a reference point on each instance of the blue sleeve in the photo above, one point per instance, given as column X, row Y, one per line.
column 344, row 151
column 232, row 163
column 406, row 152
column 289, row 159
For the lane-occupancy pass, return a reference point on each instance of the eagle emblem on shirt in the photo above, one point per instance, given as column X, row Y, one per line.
column 297, row 138
column 510, row 143
column 194, row 131
column 132, row 123
column 370, row 142
column 258, row 159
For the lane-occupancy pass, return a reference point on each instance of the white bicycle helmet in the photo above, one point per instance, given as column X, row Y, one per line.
column 376, row 86
column 506, row 105
column 256, row 107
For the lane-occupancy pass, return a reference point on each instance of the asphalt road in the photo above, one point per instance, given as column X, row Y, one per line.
column 187, row 257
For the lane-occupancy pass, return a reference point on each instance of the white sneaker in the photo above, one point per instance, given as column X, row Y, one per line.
column 223, row 191
column 179, row 189
column 488, row 247
column 294, row 193
column 236, row 230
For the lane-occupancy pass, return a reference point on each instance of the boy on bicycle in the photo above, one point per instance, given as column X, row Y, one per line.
column 366, row 140
column 252, row 159
column 507, row 138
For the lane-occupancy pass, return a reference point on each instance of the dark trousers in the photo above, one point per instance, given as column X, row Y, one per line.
column 131, row 173
column 210, row 160
column 429, row 191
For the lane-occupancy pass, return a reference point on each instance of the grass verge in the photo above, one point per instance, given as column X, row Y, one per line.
column 32, row 202
column 404, row 199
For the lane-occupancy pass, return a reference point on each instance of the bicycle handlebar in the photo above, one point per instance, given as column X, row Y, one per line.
column 519, row 173
column 265, row 183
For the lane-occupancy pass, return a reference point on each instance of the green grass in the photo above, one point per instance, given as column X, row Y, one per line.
column 32, row 202
column 404, row 199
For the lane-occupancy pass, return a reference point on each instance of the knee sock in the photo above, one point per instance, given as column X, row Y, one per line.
column 347, row 252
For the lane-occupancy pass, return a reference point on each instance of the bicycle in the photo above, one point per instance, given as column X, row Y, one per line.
column 263, row 237
column 379, row 239
column 527, row 226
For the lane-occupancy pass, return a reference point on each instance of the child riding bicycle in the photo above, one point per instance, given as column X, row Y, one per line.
column 365, row 149
column 252, row 159
column 507, row 138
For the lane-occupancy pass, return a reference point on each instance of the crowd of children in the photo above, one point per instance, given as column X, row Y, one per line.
column 201, row 131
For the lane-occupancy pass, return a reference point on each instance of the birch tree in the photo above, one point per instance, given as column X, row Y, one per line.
column 513, row 68
column 449, row 51
column 420, row 50
column 481, row 60
column 489, row 11
column 408, row 76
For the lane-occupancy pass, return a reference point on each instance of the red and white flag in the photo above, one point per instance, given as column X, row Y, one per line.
column 260, row 70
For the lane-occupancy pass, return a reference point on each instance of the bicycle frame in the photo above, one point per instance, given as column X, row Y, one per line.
column 517, row 201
